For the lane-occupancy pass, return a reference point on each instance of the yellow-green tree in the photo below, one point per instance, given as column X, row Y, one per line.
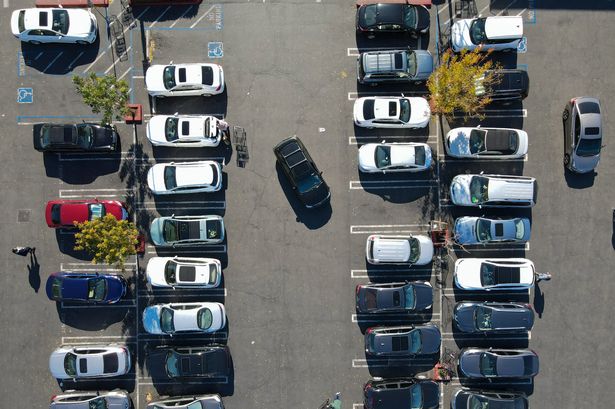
column 105, row 95
column 460, row 83
column 107, row 239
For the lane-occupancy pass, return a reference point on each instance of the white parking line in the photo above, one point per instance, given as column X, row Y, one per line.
column 193, row 205
column 388, row 228
column 182, row 16
column 499, row 113
column 354, row 95
column 353, row 140
column 109, row 68
column 473, row 384
column 358, row 406
column 220, row 248
column 159, row 17
column 362, row 274
column 203, row 16
column 362, row 363
column 200, row 382
column 98, row 307
column 68, row 340
column 52, row 61
column 78, row 158
column 179, row 292
column 392, row 184
column 82, row 193
column 435, row 317
column 468, row 293
column 70, row 66
column 448, row 336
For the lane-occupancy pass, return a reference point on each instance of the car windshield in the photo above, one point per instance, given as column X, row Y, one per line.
column 97, row 289
column 98, row 403
column 483, row 230
column 415, row 341
column 483, row 318
column 416, row 397
column 172, row 365
column 170, row 129
column 477, row 402
column 412, row 66
column 168, row 76
column 213, row 273
column 589, row 147
column 170, row 182
column 169, row 231
column 370, row 14
column 382, row 156
column 519, row 229
column 487, row 274
column 479, row 188
column 204, row 318
column 85, row 136
column 197, row 405
column 55, row 213
column 415, row 249
column 410, row 17
column 477, row 140
column 60, row 21
column 488, row 364
column 169, row 272
column 70, row 364
column 409, row 296
column 404, row 110
column 477, row 31
column 308, row 183
column 56, row 287
column 166, row 320
column 96, row 211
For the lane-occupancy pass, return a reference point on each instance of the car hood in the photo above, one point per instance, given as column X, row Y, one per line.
column 469, row 363
column 56, row 364
column 424, row 296
column 460, row 190
column 419, row 110
column 424, row 63
column 585, row 164
column 426, row 248
column 464, row 318
column 156, row 128
column 431, row 394
column 465, row 230
column 117, row 210
column 422, row 22
column 467, row 276
column 151, row 319
column 116, row 288
column 512, row 366
column 153, row 78
column 430, row 337
column 155, row 271
column 155, row 231
column 458, row 142
column 104, row 136
column 156, row 363
column 155, row 178
column 460, row 34
column 80, row 22
column 367, row 160
column 317, row 196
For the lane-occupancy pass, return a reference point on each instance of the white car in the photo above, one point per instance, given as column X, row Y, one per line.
column 494, row 190
column 498, row 33
column 394, row 157
column 185, row 177
column 184, row 131
column 169, row 319
column 184, row 272
column 486, row 143
column 54, row 25
column 192, row 79
column 115, row 399
column 408, row 250
column 494, row 274
column 391, row 112
column 89, row 361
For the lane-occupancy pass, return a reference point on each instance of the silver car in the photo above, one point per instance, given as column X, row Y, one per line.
column 480, row 230
column 189, row 402
column 582, row 119
column 116, row 399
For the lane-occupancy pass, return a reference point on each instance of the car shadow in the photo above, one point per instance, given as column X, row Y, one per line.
column 133, row 173
column 579, row 181
column 366, row 321
column 400, row 367
column 58, row 59
column 193, row 204
column 390, row 41
column 464, row 340
column 126, row 382
column 518, row 385
column 66, row 244
column 88, row 318
column 397, row 273
column 215, row 105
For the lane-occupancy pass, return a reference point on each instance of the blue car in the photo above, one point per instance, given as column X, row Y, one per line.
column 91, row 288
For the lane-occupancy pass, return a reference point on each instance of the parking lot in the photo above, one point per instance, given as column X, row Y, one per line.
column 289, row 273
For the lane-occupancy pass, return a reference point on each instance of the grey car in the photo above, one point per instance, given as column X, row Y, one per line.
column 582, row 119
column 189, row 402
column 116, row 399
column 405, row 341
column 480, row 363
column 394, row 66
column 394, row 297
column 480, row 230
column 493, row 317
column 469, row 399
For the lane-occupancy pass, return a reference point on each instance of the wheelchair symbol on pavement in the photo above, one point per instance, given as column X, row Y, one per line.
column 215, row 50
column 25, row 95
column 522, row 47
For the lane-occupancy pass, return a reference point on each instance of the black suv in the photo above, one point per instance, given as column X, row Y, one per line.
column 77, row 138
column 213, row 361
column 302, row 172
column 401, row 393
column 392, row 17
column 513, row 85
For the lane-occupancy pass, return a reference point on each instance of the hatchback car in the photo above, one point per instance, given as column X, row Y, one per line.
column 302, row 172
column 392, row 17
column 394, row 66
column 188, row 402
column 212, row 361
column 90, row 288
column 498, row 33
column 486, row 143
column 406, row 341
column 394, row 157
column 89, row 361
column 408, row 250
column 184, row 131
column 494, row 191
column 401, row 393
column 494, row 274
column 510, row 86
column 480, row 230
column 465, row 398
column 187, row 230
column 75, row 138
column 391, row 112
column 178, row 318
column 192, row 79
column 185, row 177
column 54, row 25
column 183, row 272
column 582, row 119
column 493, row 317
column 479, row 363
column 65, row 214
column 116, row 399
column 414, row 296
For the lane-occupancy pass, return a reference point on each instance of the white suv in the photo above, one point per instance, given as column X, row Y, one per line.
column 399, row 250
column 494, row 191
column 498, row 33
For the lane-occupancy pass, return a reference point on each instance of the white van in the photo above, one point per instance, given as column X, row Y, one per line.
column 399, row 249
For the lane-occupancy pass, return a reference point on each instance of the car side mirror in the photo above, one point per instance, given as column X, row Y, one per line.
column 177, row 113
column 171, row 62
column 478, row 126
column 603, row 146
column 481, row 172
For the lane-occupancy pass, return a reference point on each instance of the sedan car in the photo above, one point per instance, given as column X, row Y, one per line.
column 480, row 230
column 406, row 341
column 498, row 33
column 401, row 393
column 392, row 17
column 391, row 112
column 89, row 361
column 494, row 190
column 54, row 25
column 65, row 214
column 412, row 296
column 185, row 177
column 493, row 317
column 494, row 274
column 582, row 119
column 184, row 272
column 187, row 230
column 465, row 398
column 90, row 288
column 178, row 363
column 188, row 402
column 184, row 131
column 479, row 363
column 177, row 318
column 394, row 157
column 486, row 143
column 116, row 399
column 75, row 138
column 192, row 79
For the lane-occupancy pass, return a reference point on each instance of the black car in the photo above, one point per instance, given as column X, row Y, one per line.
column 392, row 17
column 212, row 361
column 76, row 138
column 510, row 85
column 302, row 172
column 464, row 398
column 401, row 393
column 481, row 363
column 493, row 317
column 394, row 297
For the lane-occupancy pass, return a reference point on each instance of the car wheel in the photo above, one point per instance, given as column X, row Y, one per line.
column 566, row 159
column 81, row 42
column 34, row 42
column 565, row 114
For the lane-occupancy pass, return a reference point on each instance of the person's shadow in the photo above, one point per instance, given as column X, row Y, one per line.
column 34, row 276
column 539, row 300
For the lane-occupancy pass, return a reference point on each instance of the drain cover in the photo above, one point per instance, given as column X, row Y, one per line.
column 24, row 215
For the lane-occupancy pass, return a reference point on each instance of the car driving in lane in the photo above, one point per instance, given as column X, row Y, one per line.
column 481, row 363
column 89, row 361
column 401, row 393
column 494, row 274
column 184, row 131
column 391, row 112
column 403, row 341
column 582, row 120
column 85, row 287
column 185, row 177
column 178, row 318
column 394, row 157
column 392, row 17
column 481, row 230
column 64, row 213
column 188, row 402
column 75, row 138
column 493, row 317
column 186, row 363
column 414, row 296
column 183, row 272
column 115, row 399
column 54, row 25
column 191, row 79
column 498, row 33
column 408, row 249
column 486, row 143
column 472, row 399
column 187, row 230
column 493, row 190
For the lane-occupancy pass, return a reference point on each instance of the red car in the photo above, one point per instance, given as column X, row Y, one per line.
column 64, row 213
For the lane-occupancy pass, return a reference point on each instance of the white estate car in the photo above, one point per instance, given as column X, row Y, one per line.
column 203, row 317
column 494, row 190
column 184, row 272
column 54, row 25
column 89, row 361
column 494, row 273
column 483, row 143
column 498, row 33
column 192, row 79
column 115, row 399
column 185, row 177
column 391, row 112
column 394, row 157
column 408, row 249
column 184, row 131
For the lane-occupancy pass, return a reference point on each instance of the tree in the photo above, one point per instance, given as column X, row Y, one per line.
column 461, row 82
column 107, row 239
column 104, row 95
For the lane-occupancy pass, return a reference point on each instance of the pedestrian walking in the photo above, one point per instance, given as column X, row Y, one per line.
column 224, row 128
column 24, row 251
column 543, row 277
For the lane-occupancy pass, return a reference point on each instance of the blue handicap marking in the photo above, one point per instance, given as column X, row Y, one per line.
column 215, row 50
column 522, row 47
column 25, row 95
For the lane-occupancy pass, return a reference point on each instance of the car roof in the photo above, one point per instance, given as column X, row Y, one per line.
column 504, row 27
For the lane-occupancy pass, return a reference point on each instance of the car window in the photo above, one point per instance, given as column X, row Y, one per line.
column 483, row 230
column 577, row 129
column 98, row 403
column 412, row 65
column 477, row 140
column 20, row 21
column 415, row 250
column 169, row 272
column 173, row 362
column 487, row 274
column 85, row 136
column 404, row 108
column 166, row 320
column 55, row 213
column 479, row 188
column 96, row 211
column 415, row 341
column 416, row 397
column 213, row 273
column 589, row 147
column 170, row 129
column 410, row 16
column 204, row 318
column 60, row 21
column 519, row 229
column 409, row 297
column 168, row 76
column 419, row 156
column 170, row 182
column 382, row 156
column 589, row 108
column 483, row 318
column 488, row 364
column 97, row 289
column 169, row 231
column 308, row 183
column 70, row 364
column 477, row 31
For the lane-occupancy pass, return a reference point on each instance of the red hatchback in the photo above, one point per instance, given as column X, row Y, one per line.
column 64, row 213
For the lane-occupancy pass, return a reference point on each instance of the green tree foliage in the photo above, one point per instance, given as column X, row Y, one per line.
column 105, row 95
column 460, row 83
column 107, row 239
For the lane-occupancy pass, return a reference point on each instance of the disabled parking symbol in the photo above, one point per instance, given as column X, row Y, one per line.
column 215, row 50
column 522, row 47
column 25, row 95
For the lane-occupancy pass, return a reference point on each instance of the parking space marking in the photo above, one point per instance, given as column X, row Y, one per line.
column 216, row 248
column 205, row 381
column 449, row 336
column 388, row 228
column 362, row 363
column 5, row 3
column 493, row 247
column 115, row 62
column 178, row 292
column 182, row 16
column 455, row 380
column 362, row 274
column 92, row 267
column 435, row 317
column 205, row 14
column 124, row 74
column 193, row 205
column 499, row 113
column 392, row 184
column 160, row 16
column 452, row 292
column 119, row 304
column 358, row 406
column 79, row 193
column 67, row 157
column 442, row 158
column 24, row 119
column 355, row 95
column 82, row 340
column 70, row 65
column 353, row 140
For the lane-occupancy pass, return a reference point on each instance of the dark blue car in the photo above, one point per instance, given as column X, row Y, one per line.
column 91, row 288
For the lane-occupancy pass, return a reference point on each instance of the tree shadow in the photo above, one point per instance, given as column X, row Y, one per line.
column 66, row 243
column 133, row 172
column 578, row 180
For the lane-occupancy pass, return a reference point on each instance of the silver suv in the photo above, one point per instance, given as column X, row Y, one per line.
column 494, row 190
column 408, row 66
column 582, row 119
column 116, row 399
